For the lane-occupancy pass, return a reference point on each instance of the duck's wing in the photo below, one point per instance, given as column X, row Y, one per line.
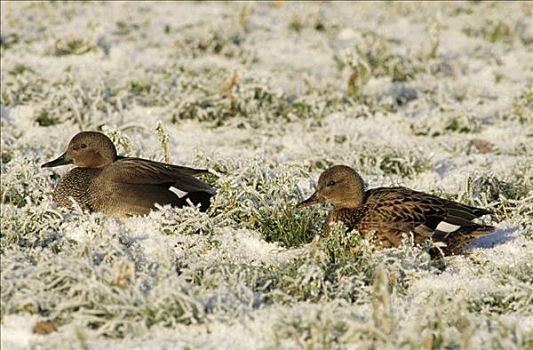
column 150, row 163
column 147, row 172
column 405, row 210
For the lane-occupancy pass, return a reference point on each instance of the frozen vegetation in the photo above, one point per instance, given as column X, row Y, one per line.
column 436, row 97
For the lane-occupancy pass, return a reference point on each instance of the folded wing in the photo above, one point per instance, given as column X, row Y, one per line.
column 147, row 172
column 406, row 210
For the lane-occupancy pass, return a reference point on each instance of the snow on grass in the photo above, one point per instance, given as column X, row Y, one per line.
column 434, row 96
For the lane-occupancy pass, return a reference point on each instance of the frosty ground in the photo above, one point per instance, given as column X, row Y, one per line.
column 436, row 97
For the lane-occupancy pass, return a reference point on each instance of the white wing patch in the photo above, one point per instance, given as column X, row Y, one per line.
column 178, row 192
column 447, row 227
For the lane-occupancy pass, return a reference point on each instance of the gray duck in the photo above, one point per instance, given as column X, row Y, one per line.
column 123, row 186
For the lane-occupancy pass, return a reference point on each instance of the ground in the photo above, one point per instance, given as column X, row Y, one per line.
column 433, row 96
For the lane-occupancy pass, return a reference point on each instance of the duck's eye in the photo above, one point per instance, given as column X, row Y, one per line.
column 331, row 183
column 83, row 145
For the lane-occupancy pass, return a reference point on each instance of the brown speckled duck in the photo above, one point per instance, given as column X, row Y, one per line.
column 392, row 212
column 123, row 186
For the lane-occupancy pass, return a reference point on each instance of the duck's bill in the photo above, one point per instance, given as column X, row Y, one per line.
column 61, row 160
column 314, row 199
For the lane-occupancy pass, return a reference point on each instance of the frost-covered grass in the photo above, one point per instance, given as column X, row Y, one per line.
column 436, row 97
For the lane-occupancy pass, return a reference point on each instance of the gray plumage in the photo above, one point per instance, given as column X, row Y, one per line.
column 123, row 186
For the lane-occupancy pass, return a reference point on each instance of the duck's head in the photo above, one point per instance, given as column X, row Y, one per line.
column 339, row 185
column 88, row 149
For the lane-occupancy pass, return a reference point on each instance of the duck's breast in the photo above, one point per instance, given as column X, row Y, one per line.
column 74, row 186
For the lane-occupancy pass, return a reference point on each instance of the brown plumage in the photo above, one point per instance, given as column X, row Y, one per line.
column 391, row 213
column 123, row 186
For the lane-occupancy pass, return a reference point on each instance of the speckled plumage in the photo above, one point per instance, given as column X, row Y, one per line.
column 75, row 186
column 391, row 213
column 123, row 186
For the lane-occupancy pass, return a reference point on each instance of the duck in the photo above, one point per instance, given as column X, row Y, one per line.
column 121, row 186
column 387, row 214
